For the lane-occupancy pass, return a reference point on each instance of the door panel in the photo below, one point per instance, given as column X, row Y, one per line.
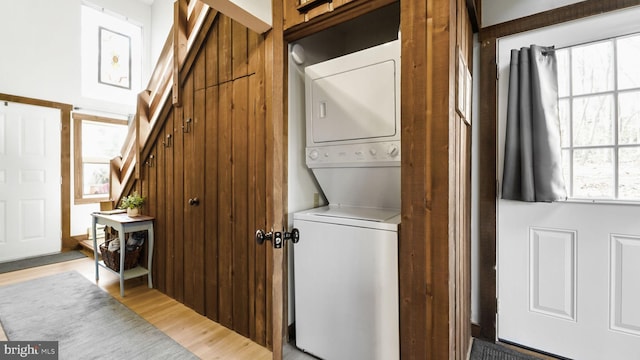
column 567, row 278
column 30, row 178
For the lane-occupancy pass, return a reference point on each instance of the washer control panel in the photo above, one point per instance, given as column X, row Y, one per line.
column 366, row 154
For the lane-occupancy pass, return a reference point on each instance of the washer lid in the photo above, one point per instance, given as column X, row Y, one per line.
column 354, row 212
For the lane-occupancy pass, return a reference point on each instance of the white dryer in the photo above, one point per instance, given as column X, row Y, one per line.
column 346, row 264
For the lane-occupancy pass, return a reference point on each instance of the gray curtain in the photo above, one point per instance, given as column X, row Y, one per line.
column 532, row 154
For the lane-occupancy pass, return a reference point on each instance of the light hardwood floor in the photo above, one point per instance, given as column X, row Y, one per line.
column 203, row 337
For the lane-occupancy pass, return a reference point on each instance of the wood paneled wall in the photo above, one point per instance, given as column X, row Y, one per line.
column 435, row 231
column 461, row 193
column 204, row 178
column 314, row 15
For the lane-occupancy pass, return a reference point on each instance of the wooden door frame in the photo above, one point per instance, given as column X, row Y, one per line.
column 276, row 134
column 65, row 160
column 487, row 148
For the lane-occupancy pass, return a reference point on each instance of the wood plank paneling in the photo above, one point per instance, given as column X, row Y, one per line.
column 239, row 51
column 225, row 46
column 555, row 16
column 414, row 293
column 276, row 135
column 169, row 234
column 225, row 210
column 240, row 171
column 208, row 258
column 160, row 213
column 434, row 237
column 296, row 29
column 257, row 162
column 151, row 196
column 178, row 205
column 196, row 211
column 211, row 57
column 199, row 71
column 188, row 176
column 211, row 200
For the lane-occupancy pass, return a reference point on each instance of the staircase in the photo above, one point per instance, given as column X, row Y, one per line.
column 191, row 18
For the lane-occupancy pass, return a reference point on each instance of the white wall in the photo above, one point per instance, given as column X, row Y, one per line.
column 161, row 22
column 41, row 58
column 498, row 11
column 42, row 54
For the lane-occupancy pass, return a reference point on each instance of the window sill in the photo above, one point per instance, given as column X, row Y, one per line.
column 602, row 201
column 92, row 200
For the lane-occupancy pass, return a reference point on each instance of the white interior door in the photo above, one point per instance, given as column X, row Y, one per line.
column 30, row 209
column 568, row 272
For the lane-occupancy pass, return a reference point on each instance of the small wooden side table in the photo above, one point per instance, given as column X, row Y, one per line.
column 125, row 224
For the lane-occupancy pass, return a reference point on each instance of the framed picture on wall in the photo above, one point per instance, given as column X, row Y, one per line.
column 114, row 58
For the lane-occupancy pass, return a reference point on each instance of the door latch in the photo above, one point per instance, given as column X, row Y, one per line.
column 277, row 237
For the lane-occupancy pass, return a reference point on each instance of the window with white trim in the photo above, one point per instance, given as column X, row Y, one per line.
column 599, row 103
column 97, row 140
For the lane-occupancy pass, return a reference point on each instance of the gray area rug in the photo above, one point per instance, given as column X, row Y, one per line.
column 87, row 322
column 40, row 261
column 484, row 350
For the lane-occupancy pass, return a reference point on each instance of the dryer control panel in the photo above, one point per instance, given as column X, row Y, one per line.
column 386, row 153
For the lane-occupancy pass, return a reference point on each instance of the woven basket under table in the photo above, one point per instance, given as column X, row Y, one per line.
column 112, row 258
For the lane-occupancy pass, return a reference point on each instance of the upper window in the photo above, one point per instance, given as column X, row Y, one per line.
column 97, row 140
column 599, row 103
column 111, row 56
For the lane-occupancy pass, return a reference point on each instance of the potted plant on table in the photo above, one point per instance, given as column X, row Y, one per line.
column 132, row 203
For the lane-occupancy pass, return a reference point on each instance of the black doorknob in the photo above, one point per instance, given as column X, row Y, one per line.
column 194, row 202
column 261, row 236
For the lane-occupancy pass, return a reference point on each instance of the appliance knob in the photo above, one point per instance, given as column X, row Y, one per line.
column 373, row 151
column 313, row 154
column 393, row 151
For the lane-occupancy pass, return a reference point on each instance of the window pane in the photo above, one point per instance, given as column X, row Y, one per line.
column 628, row 69
column 564, row 69
column 96, row 179
column 593, row 118
column 593, row 173
column 592, row 68
column 565, row 125
column 102, row 140
column 629, row 173
column 629, row 118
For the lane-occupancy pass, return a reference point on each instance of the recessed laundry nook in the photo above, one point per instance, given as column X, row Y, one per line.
column 344, row 146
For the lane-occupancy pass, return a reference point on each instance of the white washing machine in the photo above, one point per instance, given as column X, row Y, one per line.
column 346, row 263
column 346, row 283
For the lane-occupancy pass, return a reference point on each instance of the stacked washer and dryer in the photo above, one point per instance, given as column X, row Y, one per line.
column 346, row 267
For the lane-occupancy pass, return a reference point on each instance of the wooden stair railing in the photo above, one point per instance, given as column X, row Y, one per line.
column 189, row 17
